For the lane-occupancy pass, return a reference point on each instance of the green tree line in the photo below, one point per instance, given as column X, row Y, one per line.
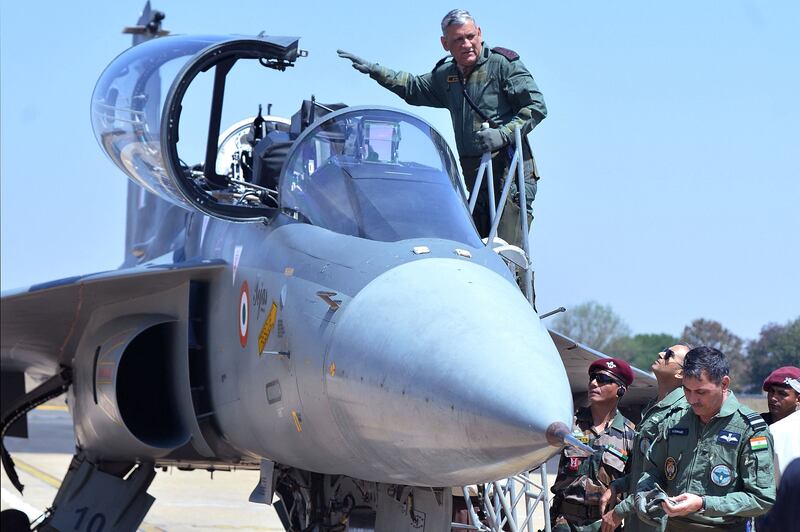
column 599, row 327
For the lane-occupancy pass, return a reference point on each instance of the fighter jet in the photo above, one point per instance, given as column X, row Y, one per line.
column 305, row 295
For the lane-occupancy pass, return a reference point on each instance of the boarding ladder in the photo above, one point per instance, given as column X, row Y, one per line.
column 508, row 504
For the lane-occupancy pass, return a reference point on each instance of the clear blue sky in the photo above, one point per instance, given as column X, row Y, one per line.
column 670, row 157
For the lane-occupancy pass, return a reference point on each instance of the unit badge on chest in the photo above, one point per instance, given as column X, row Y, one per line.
column 721, row 475
column 729, row 438
column 670, row 468
column 574, row 463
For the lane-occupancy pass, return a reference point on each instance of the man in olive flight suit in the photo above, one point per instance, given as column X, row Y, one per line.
column 480, row 85
column 713, row 463
column 667, row 367
column 582, row 480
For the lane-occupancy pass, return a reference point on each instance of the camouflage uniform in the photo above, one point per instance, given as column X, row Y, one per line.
column 648, row 429
column 581, row 480
column 501, row 87
column 728, row 462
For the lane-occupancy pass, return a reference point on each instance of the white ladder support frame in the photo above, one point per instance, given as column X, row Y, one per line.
column 505, row 496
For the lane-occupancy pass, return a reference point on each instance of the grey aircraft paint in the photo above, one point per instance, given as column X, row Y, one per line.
column 343, row 330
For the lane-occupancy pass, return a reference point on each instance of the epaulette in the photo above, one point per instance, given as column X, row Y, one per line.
column 755, row 420
column 441, row 61
column 511, row 55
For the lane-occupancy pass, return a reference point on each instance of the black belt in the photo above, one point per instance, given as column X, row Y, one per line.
column 581, row 511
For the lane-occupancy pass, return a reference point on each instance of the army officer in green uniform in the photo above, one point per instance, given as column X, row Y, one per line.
column 714, row 461
column 582, row 480
column 476, row 84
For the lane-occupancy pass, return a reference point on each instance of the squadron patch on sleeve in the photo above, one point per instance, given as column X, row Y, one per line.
column 670, row 468
column 721, row 475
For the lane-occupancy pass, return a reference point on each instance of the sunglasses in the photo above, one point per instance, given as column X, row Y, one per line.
column 668, row 353
column 601, row 379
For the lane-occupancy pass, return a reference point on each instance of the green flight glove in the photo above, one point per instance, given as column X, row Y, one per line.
column 358, row 63
column 490, row 139
column 648, row 506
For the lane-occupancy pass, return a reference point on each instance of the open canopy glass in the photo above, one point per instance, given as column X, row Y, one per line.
column 377, row 174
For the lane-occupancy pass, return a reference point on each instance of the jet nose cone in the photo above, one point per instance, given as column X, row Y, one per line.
column 445, row 376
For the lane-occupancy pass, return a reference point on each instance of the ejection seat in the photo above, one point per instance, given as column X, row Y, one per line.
column 270, row 152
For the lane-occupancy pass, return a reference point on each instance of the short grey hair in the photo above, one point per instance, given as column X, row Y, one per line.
column 459, row 17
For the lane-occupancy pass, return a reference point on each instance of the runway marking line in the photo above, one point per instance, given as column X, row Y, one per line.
column 38, row 473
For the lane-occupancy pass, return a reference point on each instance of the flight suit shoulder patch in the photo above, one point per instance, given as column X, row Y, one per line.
column 441, row 62
column 511, row 55
column 755, row 421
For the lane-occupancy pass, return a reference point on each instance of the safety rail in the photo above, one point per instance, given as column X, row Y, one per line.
column 515, row 171
column 508, row 504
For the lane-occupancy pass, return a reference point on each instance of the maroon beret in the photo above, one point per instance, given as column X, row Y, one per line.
column 621, row 369
column 783, row 376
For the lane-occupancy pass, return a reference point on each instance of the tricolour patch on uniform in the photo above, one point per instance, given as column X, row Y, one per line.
column 670, row 468
column 758, row 443
column 721, row 475
column 726, row 437
column 619, row 453
column 244, row 314
column 678, row 432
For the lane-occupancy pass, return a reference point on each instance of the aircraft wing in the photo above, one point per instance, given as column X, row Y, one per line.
column 577, row 358
column 42, row 324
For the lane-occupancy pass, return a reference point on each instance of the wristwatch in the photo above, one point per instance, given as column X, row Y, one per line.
column 702, row 509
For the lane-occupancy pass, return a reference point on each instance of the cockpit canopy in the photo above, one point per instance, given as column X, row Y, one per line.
column 376, row 173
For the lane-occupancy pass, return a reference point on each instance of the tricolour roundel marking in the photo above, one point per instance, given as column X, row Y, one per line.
column 244, row 314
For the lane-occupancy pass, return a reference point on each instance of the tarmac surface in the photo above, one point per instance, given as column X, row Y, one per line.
column 185, row 500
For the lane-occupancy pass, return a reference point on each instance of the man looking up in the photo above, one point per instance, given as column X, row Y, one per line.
column 668, row 369
column 713, row 461
column 479, row 84
column 581, row 480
